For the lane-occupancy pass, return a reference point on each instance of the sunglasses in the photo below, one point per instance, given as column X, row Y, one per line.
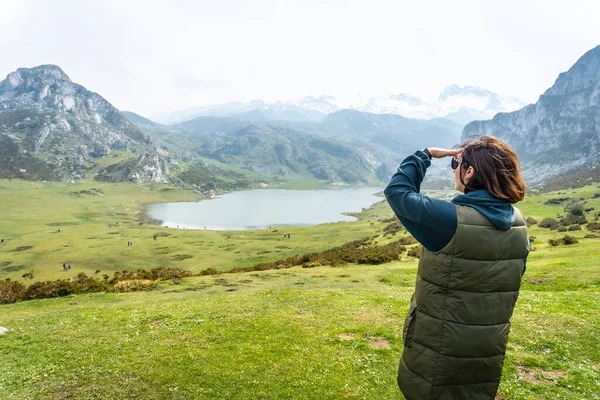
column 455, row 162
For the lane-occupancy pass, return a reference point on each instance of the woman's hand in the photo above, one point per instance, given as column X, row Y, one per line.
column 436, row 152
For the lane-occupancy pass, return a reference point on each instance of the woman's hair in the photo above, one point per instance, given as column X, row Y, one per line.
column 496, row 168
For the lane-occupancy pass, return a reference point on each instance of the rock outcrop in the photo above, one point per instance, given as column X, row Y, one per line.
column 557, row 138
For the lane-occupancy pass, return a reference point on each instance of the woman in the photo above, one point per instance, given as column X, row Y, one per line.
column 474, row 253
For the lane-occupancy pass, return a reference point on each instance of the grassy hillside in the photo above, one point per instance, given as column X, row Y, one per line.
column 307, row 333
column 96, row 221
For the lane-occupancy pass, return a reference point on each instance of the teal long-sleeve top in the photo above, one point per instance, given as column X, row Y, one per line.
column 433, row 221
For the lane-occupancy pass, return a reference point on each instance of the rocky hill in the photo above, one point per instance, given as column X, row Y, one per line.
column 283, row 152
column 52, row 128
column 557, row 138
column 395, row 133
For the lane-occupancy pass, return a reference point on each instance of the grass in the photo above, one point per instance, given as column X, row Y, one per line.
column 307, row 333
column 95, row 230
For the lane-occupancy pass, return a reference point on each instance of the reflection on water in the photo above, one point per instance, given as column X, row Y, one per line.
column 262, row 208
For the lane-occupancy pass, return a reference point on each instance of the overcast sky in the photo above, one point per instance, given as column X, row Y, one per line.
column 158, row 56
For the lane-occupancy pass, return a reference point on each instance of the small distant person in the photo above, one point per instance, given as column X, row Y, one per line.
column 2, row 241
column 64, row 267
column 69, row 267
column 154, row 237
column 58, row 230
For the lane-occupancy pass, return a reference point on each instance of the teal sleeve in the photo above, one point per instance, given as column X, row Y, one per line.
column 431, row 221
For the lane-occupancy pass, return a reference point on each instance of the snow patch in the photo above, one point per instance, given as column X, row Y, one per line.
column 68, row 102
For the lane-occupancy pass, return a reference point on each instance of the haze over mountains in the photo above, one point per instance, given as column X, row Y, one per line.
column 54, row 129
column 459, row 104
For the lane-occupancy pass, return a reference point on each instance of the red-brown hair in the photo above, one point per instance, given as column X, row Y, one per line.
column 496, row 168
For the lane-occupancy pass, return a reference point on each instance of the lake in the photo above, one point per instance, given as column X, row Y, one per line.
column 261, row 208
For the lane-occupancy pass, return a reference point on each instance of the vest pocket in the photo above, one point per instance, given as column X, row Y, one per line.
column 409, row 326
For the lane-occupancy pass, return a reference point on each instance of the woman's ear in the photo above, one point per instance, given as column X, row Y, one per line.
column 469, row 174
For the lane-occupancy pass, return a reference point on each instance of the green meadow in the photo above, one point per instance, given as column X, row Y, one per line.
column 295, row 333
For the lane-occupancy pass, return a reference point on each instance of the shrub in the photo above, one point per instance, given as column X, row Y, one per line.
column 49, row 289
column 531, row 221
column 392, row 228
column 593, row 226
column 408, row 240
column 569, row 240
column 575, row 207
column 562, row 229
column 553, row 242
column 11, row 291
column 415, row 252
column 209, row 271
column 555, row 201
column 575, row 228
column 358, row 251
column 28, row 275
column 153, row 274
column 573, row 219
column 134, row 285
column 531, row 239
column 549, row 223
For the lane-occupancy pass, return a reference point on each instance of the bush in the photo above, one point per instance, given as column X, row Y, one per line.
column 11, row 291
column 562, row 229
column 573, row 219
column 392, row 228
column 209, row 271
column 575, row 228
column 153, row 274
column 408, row 240
column 415, row 252
column 575, row 207
column 135, row 285
column 555, row 201
column 49, row 289
column 567, row 240
column 358, row 252
column 549, row 223
column 531, row 221
column 593, row 226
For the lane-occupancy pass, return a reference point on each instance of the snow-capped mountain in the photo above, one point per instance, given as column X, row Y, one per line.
column 460, row 104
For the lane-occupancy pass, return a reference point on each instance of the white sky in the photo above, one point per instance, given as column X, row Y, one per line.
column 155, row 56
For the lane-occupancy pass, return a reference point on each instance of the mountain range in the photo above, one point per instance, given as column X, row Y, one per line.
column 459, row 104
column 54, row 129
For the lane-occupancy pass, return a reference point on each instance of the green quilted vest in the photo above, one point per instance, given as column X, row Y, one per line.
column 457, row 326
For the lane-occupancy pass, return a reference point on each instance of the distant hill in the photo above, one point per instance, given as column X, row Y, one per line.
column 347, row 147
column 144, row 123
column 282, row 152
column 395, row 133
column 557, row 138
column 460, row 104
